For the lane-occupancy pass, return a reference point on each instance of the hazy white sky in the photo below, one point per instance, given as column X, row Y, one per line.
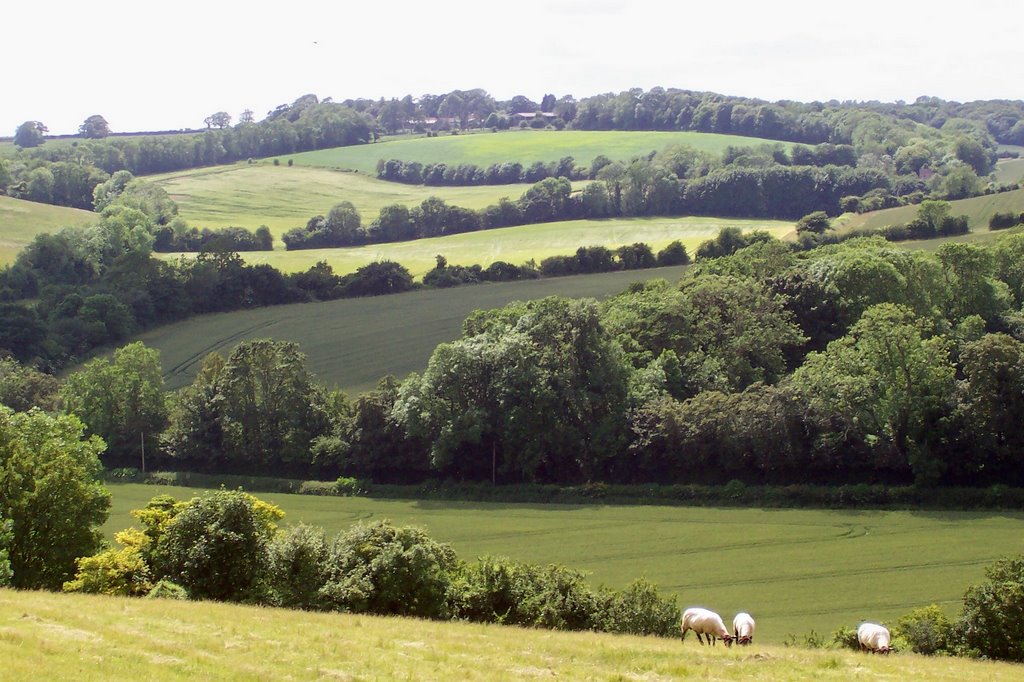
column 154, row 66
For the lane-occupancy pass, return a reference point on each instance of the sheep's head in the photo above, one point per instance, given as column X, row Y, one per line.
column 744, row 640
column 728, row 640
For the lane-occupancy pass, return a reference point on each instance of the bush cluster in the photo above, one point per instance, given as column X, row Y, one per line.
column 1001, row 221
column 226, row 546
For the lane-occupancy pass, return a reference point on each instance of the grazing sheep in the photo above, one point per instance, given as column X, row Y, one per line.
column 707, row 623
column 743, row 628
column 873, row 637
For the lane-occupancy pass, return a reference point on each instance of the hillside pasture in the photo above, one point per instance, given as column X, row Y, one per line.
column 522, row 146
column 794, row 569
column 517, row 244
column 352, row 343
column 21, row 221
column 977, row 209
column 1009, row 171
column 87, row 638
column 282, row 197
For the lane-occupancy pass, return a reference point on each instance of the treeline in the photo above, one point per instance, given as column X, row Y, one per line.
column 66, row 175
column 928, row 136
column 850, row 363
column 513, row 172
column 848, row 122
column 646, row 187
column 193, row 240
column 463, row 174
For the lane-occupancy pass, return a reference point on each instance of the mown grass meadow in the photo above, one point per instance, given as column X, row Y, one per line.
column 21, row 221
column 794, row 569
column 85, row 638
column 352, row 343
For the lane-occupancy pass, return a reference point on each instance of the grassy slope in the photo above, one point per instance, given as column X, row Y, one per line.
column 282, row 198
column 524, row 146
column 1010, row 170
column 81, row 637
column 517, row 244
column 977, row 209
column 351, row 343
column 21, row 221
column 794, row 570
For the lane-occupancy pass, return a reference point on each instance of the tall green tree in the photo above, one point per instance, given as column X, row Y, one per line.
column 30, row 134
column 533, row 391
column 95, row 127
column 969, row 270
column 890, row 381
column 122, row 401
column 992, row 402
column 49, row 489
column 269, row 408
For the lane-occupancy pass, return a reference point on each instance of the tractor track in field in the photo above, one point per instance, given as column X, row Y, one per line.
column 181, row 367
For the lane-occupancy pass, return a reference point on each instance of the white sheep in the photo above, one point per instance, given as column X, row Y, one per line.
column 743, row 628
column 873, row 637
column 707, row 623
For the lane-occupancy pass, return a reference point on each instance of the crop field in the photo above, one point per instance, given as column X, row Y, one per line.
column 88, row 637
column 977, row 209
column 21, row 221
column 281, row 198
column 523, row 146
column 352, row 343
column 794, row 570
column 517, row 244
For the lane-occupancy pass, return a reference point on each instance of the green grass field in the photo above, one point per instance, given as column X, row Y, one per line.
column 21, row 221
column 977, row 209
column 46, row 636
column 517, row 244
column 281, row 198
column 523, row 146
column 1010, row 170
column 794, row 570
column 352, row 343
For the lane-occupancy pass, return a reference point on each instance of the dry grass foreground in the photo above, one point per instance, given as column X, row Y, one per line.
column 78, row 637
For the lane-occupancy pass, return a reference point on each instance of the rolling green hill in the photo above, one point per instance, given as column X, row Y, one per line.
column 523, row 146
column 517, row 244
column 21, row 221
column 352, row 343
column 281, row 198
column 1010, row 170
column 87, row 638
column 793, row 569
column 977, row 209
